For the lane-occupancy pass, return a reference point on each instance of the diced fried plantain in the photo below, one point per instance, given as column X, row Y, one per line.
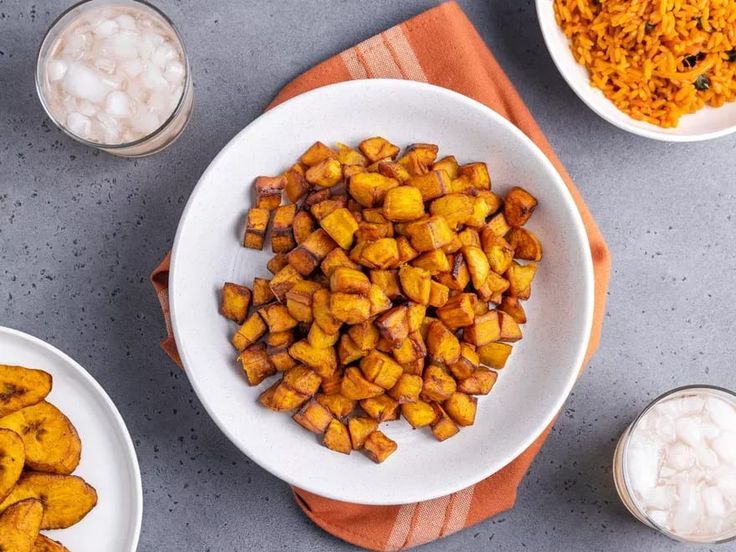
column 438, row 384
column 322, row 313
column 453, row 246
column 406, row 251
column 430, row 234
column 341, row 226
column 403, row 203
column 379, row 300
column 326, row 173
column 313, row 417
column 443, row 427
column 494, row 354
column 380, row 254
column 268, row 191
column 319, row 339
column 350, row 308
column 492, row 288
column 21, row 387
column 235, row 301
column 281, row 398
column 486, row 328
column 478, row 175
column 518, row 206
column 418, row 158
column 322, row 361
column 349, row 156
column 45, row 544
column 477, row 263
column 308, row 254
column 498, row 250
column 407, row 388
column 315, row 197
column 498, row 225
column 302, row 380
column 479, row 383
column 435, row 261
column 276, row 263
column 337, row 437
column 251, row 331
column 277, row 349
column 298, row 304
column 458, row 277
column 381, row 369
column 282, row 235
column 316, row 153
column 378, row 447
column 525, row 244
column 438, row 294
column 513, row 307
column 455, row 208
column 369, row 231
column 393, row 170
column 255, row 228
column 411, row 349
column 364, row 335
column 481, row 307
column 339, row 405
column 277, row 317
column 418, row 413
column 520, row 279
column 66, row 498
column 448, row 164
column 378, row 148
column 382, row 408
column 510, row 330
column 51, row 442
column 302, row 226
column 415, row 314
column 369, row 189
column 360, row 427
column 442, row 344
column 334, row 202
column 484, row 205
column 466, row 364
column 415, row 283
column 256, row 363
column 459, row 311
column 461, row 408
column 19, row 525
column 331, row 385
column 354, row 386
column 394, row 325
column 349, row 280
column 348, row 351
column 432, row 185
column 387, row 281
column 296, row 185
column 282, row 282
column 335, row 259
column 12, row 459
column 262, row 293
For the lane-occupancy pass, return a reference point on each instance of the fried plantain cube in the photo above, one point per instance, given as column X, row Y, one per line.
column 513, row 307
column 432, row 185
column 407, row 388
column 360, row 427
column 381, row 254
column 348, row 351
column 350, row 308
column 262, row 293
column 381, row 369
column 461, row 408
column 493, row 287
column 525, row 244
column 411, row 349
column 369, row 189
column 322, row 313
column 442, row 344
column 249, row 332
column 378, row 299
column 369, row 231
column 393, row 325
column 378, row 148
column 449, row 165
column 510, row 330
column 467, row 363
column 378, row 447
column 349, row 156
column 478, row 175
column 324, row 207
column 494, row 355
column 255, row 228
column 415, row 283
column 356, row 387
column 235, row 302
column 418, row 413
column 438, row 384
column 486, row 328
column 459, row 311
column 338, row 404
column 420, row 157
column 519, row 206
column 453, row 246
column 337, row 437
column 282, row 235
column 479, row 383
column 302, row 380
column 382, row 408
column 364, row 335
column 283, row 281
column 349, row 280
column 303, row 226
column 256, row 364
column 277, row 349
column 455, row 208
column 313, row 417
column 403, row 203
column 341, row 225
column 276, row 263
column 520, row 279
column 393, row 170
column 388, row 281
column 484, row 205
column 414, row 368
column 406, row 251
column 320, row 339
column 435, row 261
column 477, row 264
column 337, row 258
column 443, row 427
column 430, row 234
column 277, row 317
column 296, row 185
column 317, row 153
column 498, row 250
column 299, row 300
column 498, row 225
column 438, row 294
column 326, row 173
column 481, row 307
column 415, row 314
column 322, row 361
column 268, row 191
column 331, row 385
column 308, row 254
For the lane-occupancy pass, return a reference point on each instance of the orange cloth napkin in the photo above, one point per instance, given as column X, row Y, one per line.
column 442, row 47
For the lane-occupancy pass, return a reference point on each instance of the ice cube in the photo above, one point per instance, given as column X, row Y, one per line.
column 87, row 108
column 707, row 458
column 105, row 28
column 56, row 69
column 175, row 72
column 144, row 122
column 132, row 67
column 713, row 501
column 153, row 78
column 724, row 478
column 117, row 104
column 658, row 517
column 159, row 102
column 643, row 465
column 665, row 428
column 661, row 497
column 669, row 407
column 721, row 413
column 105, row 64
column 688, row 510
column 691, row 404
column 75, row 43
column 725, row 447
column 688, row 431
column 163, row 54
column 710, row 431
column 123, row 44
column 680, row 457
column 126, row 22
column 665, row 472
column 82, row 82
column 79, row 124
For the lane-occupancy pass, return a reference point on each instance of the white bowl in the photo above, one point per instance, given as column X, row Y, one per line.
column 705, row 124
column 540, row 372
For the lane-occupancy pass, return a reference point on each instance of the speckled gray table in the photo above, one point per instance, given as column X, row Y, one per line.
column 80, row 232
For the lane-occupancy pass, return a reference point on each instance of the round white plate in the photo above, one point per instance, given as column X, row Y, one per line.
column 108, row 462
column 207, row 252
column 706, row 124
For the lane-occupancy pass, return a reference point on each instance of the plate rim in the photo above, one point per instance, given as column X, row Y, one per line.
column 95, row 385
column 577, row 223
column 626, row 123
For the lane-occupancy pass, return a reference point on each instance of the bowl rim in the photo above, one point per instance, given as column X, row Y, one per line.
column 587, row 291
column 624, row 121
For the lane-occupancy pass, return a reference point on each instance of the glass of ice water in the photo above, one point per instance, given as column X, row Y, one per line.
column 114, row 75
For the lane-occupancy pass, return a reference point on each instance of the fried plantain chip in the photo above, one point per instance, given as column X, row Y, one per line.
column 51, row 441
column 12, row 458
column 21, row 387
column 19, row 526
column 45, row 544
column 66, row 499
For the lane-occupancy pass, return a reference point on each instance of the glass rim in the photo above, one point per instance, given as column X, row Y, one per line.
column 624, row 472
column 124, row 145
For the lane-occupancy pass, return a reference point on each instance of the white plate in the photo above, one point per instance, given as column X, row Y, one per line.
column 207, row 252
column 108, row 462
column 706, row 124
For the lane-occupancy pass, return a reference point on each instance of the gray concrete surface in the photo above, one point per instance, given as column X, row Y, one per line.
column 80, row 232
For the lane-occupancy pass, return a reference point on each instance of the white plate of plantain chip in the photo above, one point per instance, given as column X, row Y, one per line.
column 108, row 466
column 207, row 252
